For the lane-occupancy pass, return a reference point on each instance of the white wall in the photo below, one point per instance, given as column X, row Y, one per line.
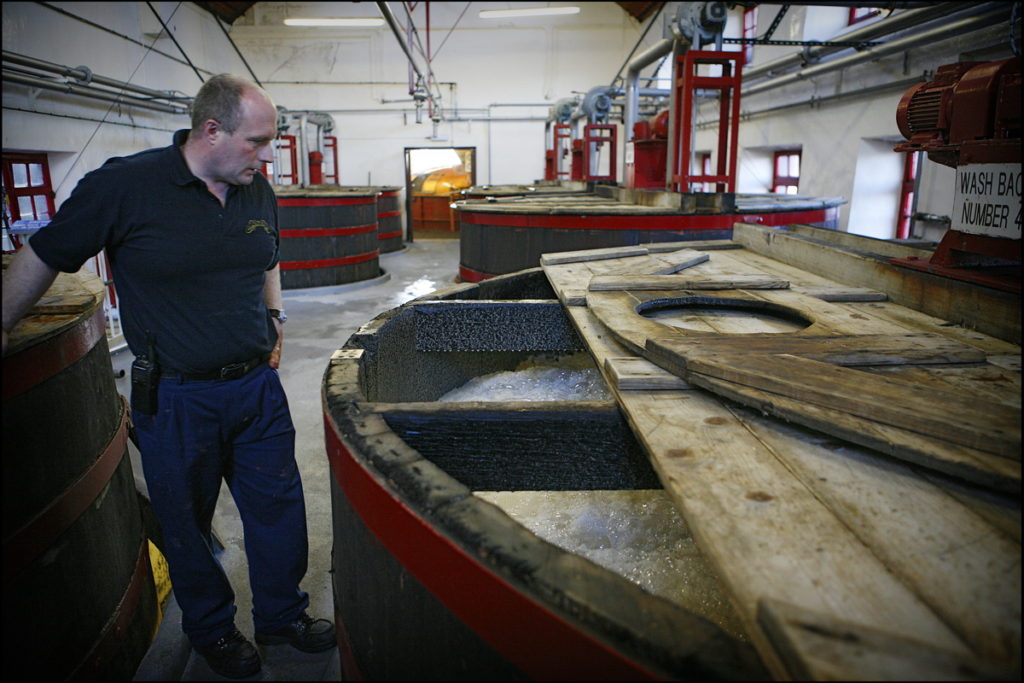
column 70, row 127
column 497, row 82
column 483, row 67
column 875, row 198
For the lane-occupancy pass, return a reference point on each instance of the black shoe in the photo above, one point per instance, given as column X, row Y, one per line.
column 305, row 633
column 233, row 656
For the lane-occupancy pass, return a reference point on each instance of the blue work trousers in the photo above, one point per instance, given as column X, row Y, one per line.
column 240, row 431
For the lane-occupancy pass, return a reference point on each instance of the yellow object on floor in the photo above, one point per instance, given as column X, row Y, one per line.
column 162, row 580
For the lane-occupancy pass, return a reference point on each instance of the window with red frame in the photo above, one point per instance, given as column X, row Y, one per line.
column 906, row 211
column 27, row 188
column 786, row 175
column 749, row 31
column 27, row 184
column 862, row 14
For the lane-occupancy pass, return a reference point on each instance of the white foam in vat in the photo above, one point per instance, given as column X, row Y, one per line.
column 637, row 534
column 567, row 378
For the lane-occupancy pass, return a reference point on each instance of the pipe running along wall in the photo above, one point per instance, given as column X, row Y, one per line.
column 935, row 34
column 885, row 27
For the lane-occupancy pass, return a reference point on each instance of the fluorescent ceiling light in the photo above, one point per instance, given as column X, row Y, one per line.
column 526, row 12
column 348, row 22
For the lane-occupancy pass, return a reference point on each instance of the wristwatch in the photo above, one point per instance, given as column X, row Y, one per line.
column 279, row 314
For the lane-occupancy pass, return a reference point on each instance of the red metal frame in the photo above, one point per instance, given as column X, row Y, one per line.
column 974, row 248
column 316, row 168
column 593, row 137
column 549, row 164
column 647, row 172
column 946, row 260
column 686, row 82
column 286, row 143
column 577, row 170
column 331, row 152
column 562, row 131
column 650, row 153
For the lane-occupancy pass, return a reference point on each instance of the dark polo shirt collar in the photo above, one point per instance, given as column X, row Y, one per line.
column 180, row 174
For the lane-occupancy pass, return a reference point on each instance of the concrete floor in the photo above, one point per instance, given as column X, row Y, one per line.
column 320, row 320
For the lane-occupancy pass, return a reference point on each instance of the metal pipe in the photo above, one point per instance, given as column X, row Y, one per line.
column 643, row 92
column 938, row 33
column 82, row 73
column 648, row 56
column 448, row 83
column 883, row 4
column 679, row 48
column 93, row 119
column 463, row 117
column 888, row 26
column 637, row 44
column 86, row 91
column 393, row 23
column 122, row 36
column 413, row 33
column 813, row 101
column 317, row 118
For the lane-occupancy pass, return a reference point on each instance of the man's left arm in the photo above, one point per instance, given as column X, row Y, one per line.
column 272, row 297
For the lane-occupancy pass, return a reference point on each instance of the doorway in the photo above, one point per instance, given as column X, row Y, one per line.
column 434, row 178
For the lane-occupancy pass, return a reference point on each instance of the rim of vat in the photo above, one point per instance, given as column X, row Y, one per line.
column 600, row 206
column 654, row 634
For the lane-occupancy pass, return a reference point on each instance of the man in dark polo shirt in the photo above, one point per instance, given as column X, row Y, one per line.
column 191, row 233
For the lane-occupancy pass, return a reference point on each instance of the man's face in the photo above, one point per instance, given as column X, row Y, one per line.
column 240, row 154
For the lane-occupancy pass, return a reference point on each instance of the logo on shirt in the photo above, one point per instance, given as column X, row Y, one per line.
column 256, row 224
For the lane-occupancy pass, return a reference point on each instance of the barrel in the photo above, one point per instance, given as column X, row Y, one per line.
column 390, row 234
column 79, row 595
column 508, row 233
column 328, row 236
column 433, row 581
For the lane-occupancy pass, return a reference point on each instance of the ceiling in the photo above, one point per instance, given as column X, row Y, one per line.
column 639, row 10
column 230, row 11
column 226, row 11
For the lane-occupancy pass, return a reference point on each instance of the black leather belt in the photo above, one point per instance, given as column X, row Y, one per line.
column 232, row 371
